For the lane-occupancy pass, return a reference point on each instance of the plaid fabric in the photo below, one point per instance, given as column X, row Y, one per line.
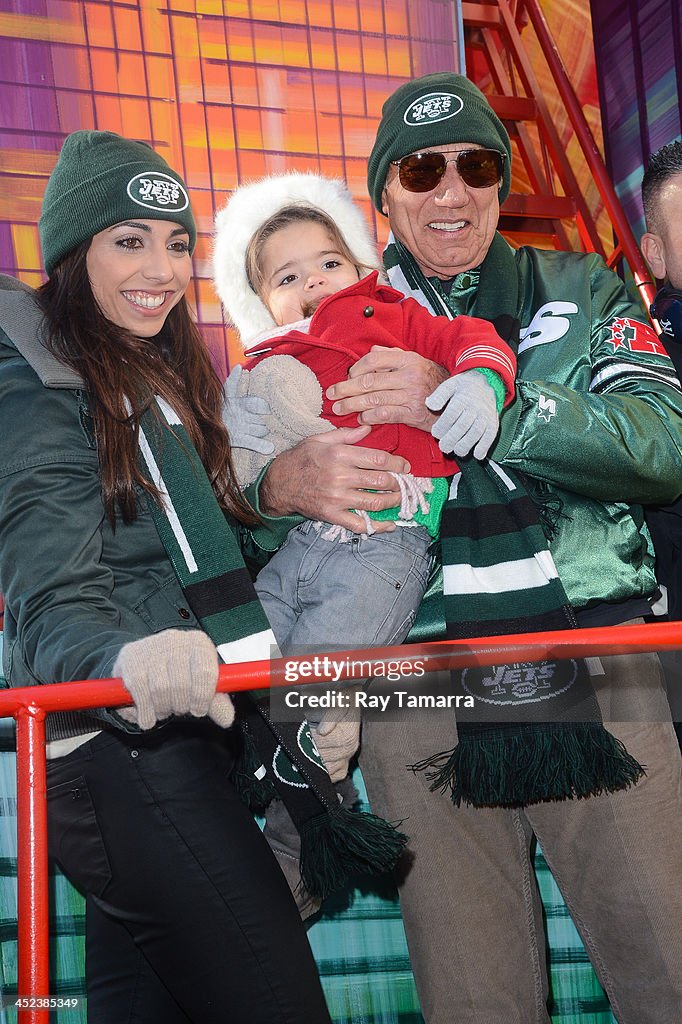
column 577, row 996
column 67, row 910
column 358, row 941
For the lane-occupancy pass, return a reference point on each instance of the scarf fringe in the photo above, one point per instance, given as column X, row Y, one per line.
column 339, row 846
column 254, row 791
column 413, row 491
column 535, row 763
column 550, row 507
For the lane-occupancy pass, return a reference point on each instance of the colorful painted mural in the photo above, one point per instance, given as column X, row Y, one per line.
column 226, row 90
column 638, row 50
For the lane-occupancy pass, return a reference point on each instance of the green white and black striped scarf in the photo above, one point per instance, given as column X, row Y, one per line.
column 280, row 758
column 499, row 577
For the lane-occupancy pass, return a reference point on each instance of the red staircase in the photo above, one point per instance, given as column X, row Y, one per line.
column 555, row 208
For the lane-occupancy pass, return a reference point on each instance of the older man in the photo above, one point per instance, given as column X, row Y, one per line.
column 596, row 432
column 662, row 245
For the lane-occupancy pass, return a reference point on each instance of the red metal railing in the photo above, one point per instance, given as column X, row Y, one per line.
column 30, row 705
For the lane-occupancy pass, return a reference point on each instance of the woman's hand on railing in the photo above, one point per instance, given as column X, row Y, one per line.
column 174, row 672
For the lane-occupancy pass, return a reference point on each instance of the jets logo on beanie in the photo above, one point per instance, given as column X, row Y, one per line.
column 101, row 179
column 435, row 110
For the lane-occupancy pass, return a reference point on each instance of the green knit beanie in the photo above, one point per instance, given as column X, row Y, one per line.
column 100, row 179
column 434, row 110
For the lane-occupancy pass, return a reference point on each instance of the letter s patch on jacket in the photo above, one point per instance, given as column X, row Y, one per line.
column 549, row 324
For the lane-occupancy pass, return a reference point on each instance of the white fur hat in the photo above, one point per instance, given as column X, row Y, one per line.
column 249, row 207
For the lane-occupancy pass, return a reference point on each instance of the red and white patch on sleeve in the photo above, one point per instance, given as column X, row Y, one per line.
column 635, row 337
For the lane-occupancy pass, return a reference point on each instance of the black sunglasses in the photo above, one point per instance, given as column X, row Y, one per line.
column 478, row 168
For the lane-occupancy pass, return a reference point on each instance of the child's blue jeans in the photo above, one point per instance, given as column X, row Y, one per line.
column 322, row 594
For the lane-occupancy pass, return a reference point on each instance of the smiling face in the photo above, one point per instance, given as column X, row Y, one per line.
column 300, row 266
column 449, row 229
column 139, row 270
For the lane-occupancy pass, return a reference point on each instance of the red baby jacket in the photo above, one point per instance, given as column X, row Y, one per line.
column 346, row 325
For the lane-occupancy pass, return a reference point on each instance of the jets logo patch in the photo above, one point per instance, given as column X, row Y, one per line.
column 520, row 682
column 158, row 191
column 434, row 106
column 284, row 768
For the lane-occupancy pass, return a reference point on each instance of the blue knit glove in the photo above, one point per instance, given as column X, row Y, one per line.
column 469, row 420
column 243, row 417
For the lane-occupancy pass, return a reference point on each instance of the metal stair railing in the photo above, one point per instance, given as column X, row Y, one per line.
column 495, row 30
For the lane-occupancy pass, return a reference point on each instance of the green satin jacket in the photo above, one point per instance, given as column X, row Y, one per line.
column 598, row 418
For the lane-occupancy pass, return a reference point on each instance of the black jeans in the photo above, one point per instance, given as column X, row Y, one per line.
column 189, row 917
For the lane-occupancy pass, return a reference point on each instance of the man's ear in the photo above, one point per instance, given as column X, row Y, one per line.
column 384, row 202
column 654, row 253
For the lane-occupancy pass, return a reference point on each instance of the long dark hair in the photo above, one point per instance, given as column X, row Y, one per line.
column 118, row 366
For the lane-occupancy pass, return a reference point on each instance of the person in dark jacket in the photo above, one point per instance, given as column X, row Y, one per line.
column 189, row 917
column 662, row 246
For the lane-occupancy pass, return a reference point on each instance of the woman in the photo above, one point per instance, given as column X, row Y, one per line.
column 188, row 915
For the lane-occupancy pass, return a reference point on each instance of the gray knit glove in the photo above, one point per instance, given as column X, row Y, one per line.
column 172, row 673
column 337, row 736
column 243, row 416
column 469, row 419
